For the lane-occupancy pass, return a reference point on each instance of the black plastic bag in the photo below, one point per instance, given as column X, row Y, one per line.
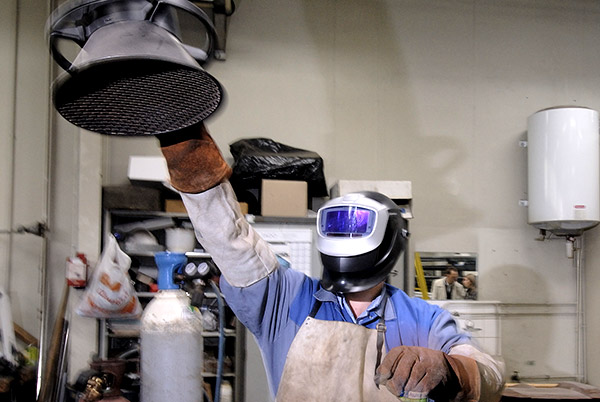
column 262, row 158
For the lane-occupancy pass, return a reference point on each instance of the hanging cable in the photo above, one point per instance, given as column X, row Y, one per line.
column 221, row 351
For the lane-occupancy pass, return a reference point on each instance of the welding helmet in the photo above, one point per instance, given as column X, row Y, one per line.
column 360, row 236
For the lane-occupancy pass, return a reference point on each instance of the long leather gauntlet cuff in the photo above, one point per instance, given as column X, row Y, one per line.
column 195, row 162
column 467, row 374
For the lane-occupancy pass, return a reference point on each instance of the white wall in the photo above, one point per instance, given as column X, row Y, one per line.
column 23, row 156
column 48, row 173
column 435, row 92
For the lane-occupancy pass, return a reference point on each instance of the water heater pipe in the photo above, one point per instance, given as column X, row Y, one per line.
column 581, row 321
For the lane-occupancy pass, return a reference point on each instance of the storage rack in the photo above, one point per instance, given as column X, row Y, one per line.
column 118, row 336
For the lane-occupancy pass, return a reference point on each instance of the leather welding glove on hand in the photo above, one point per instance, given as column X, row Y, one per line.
column 194, row 161
column 416, row 373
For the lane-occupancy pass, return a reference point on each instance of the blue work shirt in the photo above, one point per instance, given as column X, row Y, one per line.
column 275, row 307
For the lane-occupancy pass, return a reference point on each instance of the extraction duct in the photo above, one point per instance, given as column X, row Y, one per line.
column 133, row 75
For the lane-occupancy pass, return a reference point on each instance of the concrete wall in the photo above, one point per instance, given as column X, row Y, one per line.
column 435, row 92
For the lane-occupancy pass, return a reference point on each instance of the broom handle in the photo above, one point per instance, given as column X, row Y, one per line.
column 51, row 369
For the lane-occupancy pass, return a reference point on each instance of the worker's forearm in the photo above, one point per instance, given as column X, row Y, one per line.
column 240, row 253
column 490, row 370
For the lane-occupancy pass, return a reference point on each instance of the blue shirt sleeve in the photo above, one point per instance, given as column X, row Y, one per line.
column 274, row 308
column 418, row 323
column 264, row 308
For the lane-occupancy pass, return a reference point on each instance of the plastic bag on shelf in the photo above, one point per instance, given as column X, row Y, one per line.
column 110, row 293
column 262, row 158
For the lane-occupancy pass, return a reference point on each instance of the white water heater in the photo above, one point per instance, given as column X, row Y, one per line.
column 564, row 169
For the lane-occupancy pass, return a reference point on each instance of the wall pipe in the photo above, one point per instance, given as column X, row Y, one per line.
column 581, row 324
column 43, row 283
column 11, row 206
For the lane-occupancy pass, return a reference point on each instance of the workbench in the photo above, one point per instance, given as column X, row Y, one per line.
column 568, row 390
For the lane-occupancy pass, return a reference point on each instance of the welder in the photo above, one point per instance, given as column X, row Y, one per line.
column 349, row 335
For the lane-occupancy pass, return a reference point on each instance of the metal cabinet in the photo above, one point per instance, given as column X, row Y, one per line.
column 479, row 318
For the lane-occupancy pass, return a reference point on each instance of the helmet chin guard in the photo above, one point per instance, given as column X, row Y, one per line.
column 360, row 238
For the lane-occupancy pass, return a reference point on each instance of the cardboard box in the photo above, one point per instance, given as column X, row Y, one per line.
column 175, row 206
column 401, row 190
column 131, row 197
column 285, row 198
column 148, row 168
column 398, row 191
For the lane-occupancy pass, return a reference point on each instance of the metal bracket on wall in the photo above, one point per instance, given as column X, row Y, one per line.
column 38, row 229
column 219, row 11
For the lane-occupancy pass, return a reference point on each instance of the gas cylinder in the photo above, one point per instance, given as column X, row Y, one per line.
column 171, row 351
column 226, row 392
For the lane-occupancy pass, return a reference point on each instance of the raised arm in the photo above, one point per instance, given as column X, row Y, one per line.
column 197, row 169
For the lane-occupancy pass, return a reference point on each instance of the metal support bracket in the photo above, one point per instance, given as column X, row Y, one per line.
column 38, row 229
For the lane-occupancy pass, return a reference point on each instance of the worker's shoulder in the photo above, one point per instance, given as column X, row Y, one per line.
column 399, row 296
column 438, row 282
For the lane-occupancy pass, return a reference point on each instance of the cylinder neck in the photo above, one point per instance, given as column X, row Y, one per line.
column 167, row 263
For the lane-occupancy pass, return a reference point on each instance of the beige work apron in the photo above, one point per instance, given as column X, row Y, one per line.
column 332, row 361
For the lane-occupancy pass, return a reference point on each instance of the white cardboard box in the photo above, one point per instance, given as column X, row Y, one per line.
column 399, row 191
column 148, row 168
column 392, row 188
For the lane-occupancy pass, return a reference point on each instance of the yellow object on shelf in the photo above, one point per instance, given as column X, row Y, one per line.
column 422, row 285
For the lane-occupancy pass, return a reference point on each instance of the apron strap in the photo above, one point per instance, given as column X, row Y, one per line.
column 381, row 328
column 315, row 309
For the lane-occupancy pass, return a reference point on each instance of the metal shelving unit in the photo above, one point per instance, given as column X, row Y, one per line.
column 118, row 336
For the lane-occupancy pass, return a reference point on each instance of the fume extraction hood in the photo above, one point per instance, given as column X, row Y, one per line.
column 135, row 67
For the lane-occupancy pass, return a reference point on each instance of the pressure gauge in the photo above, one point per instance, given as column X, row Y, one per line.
column 203, row 269
column 190, row 269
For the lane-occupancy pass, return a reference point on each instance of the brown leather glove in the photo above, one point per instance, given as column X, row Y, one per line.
column 195, row 162
column 416, row 373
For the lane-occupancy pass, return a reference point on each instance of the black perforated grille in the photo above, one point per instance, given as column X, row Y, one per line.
column 137, row 97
